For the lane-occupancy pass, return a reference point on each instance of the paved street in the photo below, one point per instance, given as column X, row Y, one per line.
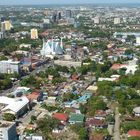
column 17, row 83
column 117, row 125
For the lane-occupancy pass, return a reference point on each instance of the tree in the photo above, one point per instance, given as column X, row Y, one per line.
column 46, row 125
column 9, row 117
column 3, row 57
column 80, row 130
column 129, row 51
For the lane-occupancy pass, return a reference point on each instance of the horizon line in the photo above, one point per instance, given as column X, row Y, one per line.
column 26, row 4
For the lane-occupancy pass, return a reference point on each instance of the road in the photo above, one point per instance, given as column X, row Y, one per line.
column 17, row 83
column 117, row 125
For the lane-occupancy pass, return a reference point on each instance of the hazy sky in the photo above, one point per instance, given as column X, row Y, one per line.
column 64, row 1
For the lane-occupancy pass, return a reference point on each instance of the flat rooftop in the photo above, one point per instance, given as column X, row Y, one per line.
column 5, row 124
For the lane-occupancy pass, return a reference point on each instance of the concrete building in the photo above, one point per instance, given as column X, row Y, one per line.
column 6, row 25
column 37, row 138
column 47, row 21
column 59, row 15
column 136, row 111
column 96, row 20
column 16, row 106
column 34, row 34
column 8, row 130
column 70, row 21
column 138, row 40
column 68, row 14
column 9, row 66
column 2, row 35
column 2, row 27
column 117, row 20
column 25, row 46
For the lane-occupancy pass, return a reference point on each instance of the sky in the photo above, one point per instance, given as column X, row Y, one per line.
column 13, row 2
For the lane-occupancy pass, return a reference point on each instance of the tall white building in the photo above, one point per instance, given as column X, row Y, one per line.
column 9, row 66
column 117, row 20
column 8, row 130
column 2, row 35
column 138, row 40
column 3, row 27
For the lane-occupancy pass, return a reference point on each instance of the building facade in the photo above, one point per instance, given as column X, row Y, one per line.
column 9, row 66
column 34, row 34
column 117, row 20
column 8, row 131
column 6, row 25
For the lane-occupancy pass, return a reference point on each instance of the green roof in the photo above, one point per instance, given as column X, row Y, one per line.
column 76, row 118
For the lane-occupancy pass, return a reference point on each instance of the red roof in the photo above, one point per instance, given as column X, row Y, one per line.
column 134, row 133
column 61, row 116
column 74, row 77
column 33, row 96
column 117, row 66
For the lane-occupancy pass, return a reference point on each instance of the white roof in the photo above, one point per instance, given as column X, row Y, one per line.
column 23, row 88
column 13, row 104
column 107, row 79
column 131, row 69
column 136, row 110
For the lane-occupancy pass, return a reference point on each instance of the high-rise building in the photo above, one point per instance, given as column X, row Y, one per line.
column 2, row 35
column 117, row 20
column 34, row 34
column 2, row 27
column 3, row 19
column 59, row 15
column 138, row 40
column 8, row 130
column 68, row 14
column 54, row 17
column 7, row 25
column 46, row 12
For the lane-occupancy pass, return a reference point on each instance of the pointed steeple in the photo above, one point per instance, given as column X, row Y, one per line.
column 61, row 44
column 52, row 47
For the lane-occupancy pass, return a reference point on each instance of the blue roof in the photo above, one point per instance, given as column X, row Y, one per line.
column 84, row 98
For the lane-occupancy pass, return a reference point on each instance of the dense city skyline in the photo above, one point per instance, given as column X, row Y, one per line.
column 10, row 2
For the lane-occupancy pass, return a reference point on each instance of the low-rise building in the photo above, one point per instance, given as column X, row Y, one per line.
column 134, row 133
column 136, row 111
column 95, row 123
column 15, row 106
column 61, row 117
column 76, row 118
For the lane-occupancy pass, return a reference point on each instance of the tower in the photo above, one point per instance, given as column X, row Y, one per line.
column 68, row 14
column 34, row 34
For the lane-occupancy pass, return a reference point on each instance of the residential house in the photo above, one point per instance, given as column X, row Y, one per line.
column 136, row 111
column 61, row 117
column 35, row 96
column 133, row 133
column 95, row 123
column 100, row 115
column 76, row 118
